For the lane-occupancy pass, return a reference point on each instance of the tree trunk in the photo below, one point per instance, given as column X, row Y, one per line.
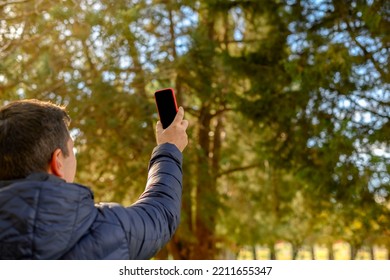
column 353, row 252
column 179, row 248
column 372, row 252
column 254, row 253
column 163, row 254
column 312, row 252
column 294, row 251
column 330, row 251
column 272, row 251
column 206, row 188
column 388, row 253
column 182, row 242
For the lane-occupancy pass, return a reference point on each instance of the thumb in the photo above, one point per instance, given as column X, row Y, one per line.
column 159, row 127
column 179, row 115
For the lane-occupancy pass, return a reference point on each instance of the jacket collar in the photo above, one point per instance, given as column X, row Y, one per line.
column 37, row 176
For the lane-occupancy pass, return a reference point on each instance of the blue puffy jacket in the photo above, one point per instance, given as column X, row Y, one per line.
column 43, row 217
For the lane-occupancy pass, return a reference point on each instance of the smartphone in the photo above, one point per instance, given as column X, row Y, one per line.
column 166, row 106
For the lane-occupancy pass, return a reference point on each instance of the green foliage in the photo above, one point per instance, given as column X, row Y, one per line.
column 288, row 103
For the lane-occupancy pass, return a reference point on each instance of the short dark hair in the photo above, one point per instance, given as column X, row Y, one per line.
column 30, row 131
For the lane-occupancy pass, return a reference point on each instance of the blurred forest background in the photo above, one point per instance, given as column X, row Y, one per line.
column 288, row 103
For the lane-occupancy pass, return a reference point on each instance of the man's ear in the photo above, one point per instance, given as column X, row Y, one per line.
column 56, row 164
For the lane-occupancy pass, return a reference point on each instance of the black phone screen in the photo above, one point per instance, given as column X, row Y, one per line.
column 166, row 106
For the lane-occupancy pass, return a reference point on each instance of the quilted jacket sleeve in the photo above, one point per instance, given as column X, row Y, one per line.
column 151, row 222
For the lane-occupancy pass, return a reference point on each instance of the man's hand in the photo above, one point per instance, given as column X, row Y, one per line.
column 175, row 133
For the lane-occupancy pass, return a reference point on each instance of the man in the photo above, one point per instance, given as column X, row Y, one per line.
column 44, row 215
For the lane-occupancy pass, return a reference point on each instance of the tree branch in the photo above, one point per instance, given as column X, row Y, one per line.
column 371, row 111
column 219, row 112
column 237, row 169
column 366, row 53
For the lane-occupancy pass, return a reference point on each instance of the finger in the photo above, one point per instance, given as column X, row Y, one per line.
column 179, row 115
column 184, row 123
column 159, row 127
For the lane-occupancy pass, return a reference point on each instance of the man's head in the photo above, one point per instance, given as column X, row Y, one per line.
column 34, row 137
